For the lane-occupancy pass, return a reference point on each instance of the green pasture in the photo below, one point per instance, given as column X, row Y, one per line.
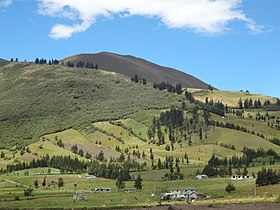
column 51, row 197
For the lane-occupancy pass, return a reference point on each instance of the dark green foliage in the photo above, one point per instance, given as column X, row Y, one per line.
column 36, row 183
column 74, row 149
column 100, row 156
column 266, row 177
column 52, row 98
column 60, row 182
column 60, row 143
column 44, row 182
column 28, row 192
column 120, row 183
column 138, row 182
column 229, row 188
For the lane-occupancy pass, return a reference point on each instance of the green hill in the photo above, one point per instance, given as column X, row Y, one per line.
column 130, row 65
column 230, row 98
column 41, row 99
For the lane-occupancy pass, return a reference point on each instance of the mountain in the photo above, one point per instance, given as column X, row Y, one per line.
column 41, row 99
column 130, row 65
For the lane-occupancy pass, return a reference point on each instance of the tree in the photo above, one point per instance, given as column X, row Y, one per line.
column 74, row 149
column 240, row 104
column 44, row 182
column 138, row 182
column 60, row 182
column 28, row 192
column 36, row 183
column 144, row 81
column 120, row 182
column 2, row 155
column 229, row 188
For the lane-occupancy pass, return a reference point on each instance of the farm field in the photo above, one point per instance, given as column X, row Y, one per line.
column 215, row 188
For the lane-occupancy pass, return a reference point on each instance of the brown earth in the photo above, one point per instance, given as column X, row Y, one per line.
column 130, row 65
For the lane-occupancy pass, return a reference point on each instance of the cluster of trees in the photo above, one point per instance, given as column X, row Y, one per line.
column 138, row 79
column 249, row 104
column 78, row 151
column 189, row 96
column 259, row 153
column 60, row 182
column 44, row 61
column 267, row 177
column 81, row 64
column 177, row 125
column 174, row 172
column 223, row 166
column 215, row 107
column 65, row 163
column 12, row 60
column 169, row 87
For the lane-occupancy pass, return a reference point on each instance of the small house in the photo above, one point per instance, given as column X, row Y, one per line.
column 188, row 193
column 79, row 197
column 241, row 177
column 201, row 177
column 101, row 190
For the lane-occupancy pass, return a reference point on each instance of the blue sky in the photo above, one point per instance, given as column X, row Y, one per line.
column 231, row 44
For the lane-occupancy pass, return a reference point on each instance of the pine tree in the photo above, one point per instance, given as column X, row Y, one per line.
column 229, row 188
column 36, row 183
column 120, row 182
column 138, row 182
column 44, row 182
column 60, row 182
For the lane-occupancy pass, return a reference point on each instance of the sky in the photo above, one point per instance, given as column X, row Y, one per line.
column 230, row 44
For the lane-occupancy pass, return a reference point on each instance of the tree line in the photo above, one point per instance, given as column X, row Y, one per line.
column 169, row 87
column 138, row 79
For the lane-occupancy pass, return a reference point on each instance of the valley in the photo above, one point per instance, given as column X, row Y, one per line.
column 60, row 122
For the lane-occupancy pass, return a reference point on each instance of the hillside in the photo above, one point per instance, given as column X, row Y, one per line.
column 230, row 98
column 41, row 99
column 129, row 65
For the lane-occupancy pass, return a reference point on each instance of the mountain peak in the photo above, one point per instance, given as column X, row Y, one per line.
column 130, row 65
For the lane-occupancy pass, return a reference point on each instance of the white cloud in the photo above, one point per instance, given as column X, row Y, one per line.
column 5, row 3
column 204, row 16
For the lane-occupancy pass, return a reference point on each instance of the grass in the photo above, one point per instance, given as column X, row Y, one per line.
column 239, row 139
column 230, row 98
column 50, row 197
column 48, row 99
column 260, row 127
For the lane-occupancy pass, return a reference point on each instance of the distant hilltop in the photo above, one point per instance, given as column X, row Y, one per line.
column 130, row 65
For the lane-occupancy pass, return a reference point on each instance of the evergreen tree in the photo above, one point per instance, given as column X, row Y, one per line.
column 138, row 182
column 60, row 182
column 120, row 182
column 44, row 182
column 36, row 183
column 229, row 188
column 28, row 192
column 240, row 104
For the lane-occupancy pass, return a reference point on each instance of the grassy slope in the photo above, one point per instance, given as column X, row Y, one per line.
column 230, row 98
column 260, row 127
column 240, row 139
column 46, row 99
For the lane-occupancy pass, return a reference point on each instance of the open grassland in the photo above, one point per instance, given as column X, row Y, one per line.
column 230, row 98
column 257, row 126
column 47, row 99
column 239, row 139
column 52, row 197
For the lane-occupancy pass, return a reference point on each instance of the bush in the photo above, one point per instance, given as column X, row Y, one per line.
column 229, row 188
